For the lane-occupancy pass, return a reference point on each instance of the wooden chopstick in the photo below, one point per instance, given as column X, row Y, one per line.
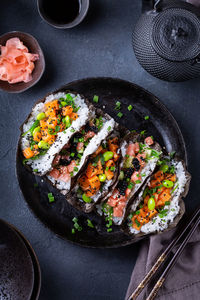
column 163, row 256
column 172, row 262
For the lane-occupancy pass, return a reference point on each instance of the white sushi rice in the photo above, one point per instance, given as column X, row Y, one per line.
column 157, row 223
column 44, row 163
column 93, row 145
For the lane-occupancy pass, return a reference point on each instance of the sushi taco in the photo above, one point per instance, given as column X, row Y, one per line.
column 72, row 158
column 139, row 159
column 100, row 173
column 159, row 205
column 49, row 127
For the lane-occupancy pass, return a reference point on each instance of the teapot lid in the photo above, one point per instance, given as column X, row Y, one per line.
column 176, row 34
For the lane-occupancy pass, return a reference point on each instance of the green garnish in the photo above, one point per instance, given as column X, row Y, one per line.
column 172, row 154
column 51, row 197
column 117, row 105
column 89, row 223
column 138, row 181
column 72, row 154
column 71, row 174
column 143, row 174
column 76, row 225
column 137, row 212
column 35, row 124
column 137, row 223
column 86, row 198
column 146, row 117
column 120, row 114
column 130, row 107
column 167, row 203
column 109, row 128
column 72, row 130
column 172, row 170
column 143, row 132
column 35, row 170
column 96, row 99
column 163, row 213
column 112, row 168
column 131, row 185
column 75, row 169
column 109, row 229
column 175, row 188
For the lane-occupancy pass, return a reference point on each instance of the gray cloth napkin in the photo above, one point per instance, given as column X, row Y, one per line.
column 183, row 281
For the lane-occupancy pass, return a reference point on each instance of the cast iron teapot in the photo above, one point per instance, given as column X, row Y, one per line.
column 166, row 39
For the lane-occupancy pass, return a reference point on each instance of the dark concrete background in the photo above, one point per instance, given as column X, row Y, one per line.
column 100, row 46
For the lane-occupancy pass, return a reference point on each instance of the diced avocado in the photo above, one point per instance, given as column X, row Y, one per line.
column 128, row 162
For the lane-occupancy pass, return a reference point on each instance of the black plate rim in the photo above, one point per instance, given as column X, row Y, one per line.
column 36, row 264
column 17, row 233
column 158, row 102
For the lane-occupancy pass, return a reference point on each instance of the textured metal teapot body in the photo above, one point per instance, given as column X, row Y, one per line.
column 160, row 49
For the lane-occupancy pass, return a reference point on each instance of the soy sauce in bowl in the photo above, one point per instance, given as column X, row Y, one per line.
column 63, row 13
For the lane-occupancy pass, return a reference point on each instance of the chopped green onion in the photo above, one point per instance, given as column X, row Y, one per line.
column 137, row 223
column 138, row 181
column 75, row 169
column 96, row 99
column 130, row 107
column 109, row 128
column 71, row 174
column 72, row 154
column 89, row 223
column 146, row 117
column 167, row 203
column 72, row 130
column 51, row 197
column 117, row 105
column 172, row 154
column 109, row 229
column 120, row 114
column 143, row 132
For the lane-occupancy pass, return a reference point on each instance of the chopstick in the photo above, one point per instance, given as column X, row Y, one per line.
column 164, row 255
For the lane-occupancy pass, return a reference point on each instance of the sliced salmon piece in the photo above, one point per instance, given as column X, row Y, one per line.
column 54, row 173
column 56, row 160
column 64, row 174
column 141, row 157
column 79, row 146
column 89, row 135
column 136, row 147
column 136, row 176
column 71, row 166
column 149, row 141
column 130, row 150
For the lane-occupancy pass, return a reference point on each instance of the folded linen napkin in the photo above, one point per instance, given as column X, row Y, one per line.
column 183, row 281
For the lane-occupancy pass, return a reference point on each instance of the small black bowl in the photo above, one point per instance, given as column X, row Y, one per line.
column 81, row 15
column 30, row 42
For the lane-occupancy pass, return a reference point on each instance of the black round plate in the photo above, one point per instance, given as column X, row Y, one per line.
column 36, row 266
column 17, row 272
column 161, row 124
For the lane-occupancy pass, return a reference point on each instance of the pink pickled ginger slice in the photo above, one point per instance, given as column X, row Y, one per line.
column 16, row 63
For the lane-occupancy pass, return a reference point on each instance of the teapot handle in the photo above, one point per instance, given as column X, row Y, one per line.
column 148, row 5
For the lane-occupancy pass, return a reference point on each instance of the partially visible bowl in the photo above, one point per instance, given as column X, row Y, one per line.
column 30, row 42
column 81, row 15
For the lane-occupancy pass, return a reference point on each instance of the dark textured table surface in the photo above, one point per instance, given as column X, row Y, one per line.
column 100, row 46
